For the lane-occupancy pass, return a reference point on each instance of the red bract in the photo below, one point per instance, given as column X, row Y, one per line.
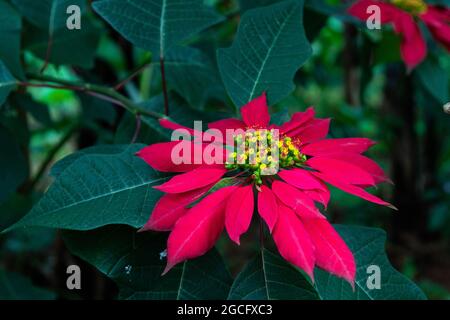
column 196, row 213
column 402, row 14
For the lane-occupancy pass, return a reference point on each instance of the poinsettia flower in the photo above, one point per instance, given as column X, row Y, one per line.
column 403, row 15
column 197, row 206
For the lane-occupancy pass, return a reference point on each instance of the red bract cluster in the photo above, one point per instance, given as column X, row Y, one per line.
column 196, row 208
column 402, row 14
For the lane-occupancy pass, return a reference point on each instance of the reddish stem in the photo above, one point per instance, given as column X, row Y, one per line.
column 164, row 86
column 131, row 76
column 47, row 53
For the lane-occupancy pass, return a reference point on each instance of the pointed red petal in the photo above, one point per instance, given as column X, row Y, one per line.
column 332, row 254
column 165, row 123
column 239, row 211
column 319, row 195
column 191, row 180
column 301, row 179
column 325, row 147
column 359, row 10
column 298, row 119
column 293, row 242
column 341, row 171
column 267, row 206
column 256, row 113
column 296, row 200
column 364, row 163
column 437, row 20
column 159, row 156
column 170, row 208
column 314, row 130
column 198, row 230
column 223, row 125
column 413, row 47
column 354, row 190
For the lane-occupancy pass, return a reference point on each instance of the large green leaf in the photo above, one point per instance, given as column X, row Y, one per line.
column 13, row 208
column 14, row 286
column 47, row 14
column 267, row 277
column 192, row 75
column 49, row 20
column 367, row 245
column 7, row 83
column 10, row 30
column 135, row 262
column 98, row 189
column 62, row 51
column 65, row 162
column 434, row 79
column 269, row 48
column 38, row 110
column 13, row 166
column 156, row 25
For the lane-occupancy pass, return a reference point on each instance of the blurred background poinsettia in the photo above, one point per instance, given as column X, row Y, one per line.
column 91, row 97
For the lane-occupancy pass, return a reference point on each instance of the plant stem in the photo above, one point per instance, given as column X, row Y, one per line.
column 99, row 91
column 146, row 82
column 48, row 53
column 133, row 74
column 138, row 128
column 50, row 156
column 164, row 86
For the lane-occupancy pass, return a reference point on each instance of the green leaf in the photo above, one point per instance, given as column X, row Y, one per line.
column 47, row 14
column 13, row 165
column 10, row 31
column 280, row 117
column 135, row 262
column 95, row 109
column 62, row 51
column 14, row 208
column 98, row 189
column 65, row 162
column 327, row 7
column 245, row 5
column 156, row 25
column 38, row 110
column 434, row 79
column 367, row 245
column 192, row 75
column 49, row 20
column 267, row 277
column 7, row 83
column 388, row 49
column 269, row 48
column 14, row 286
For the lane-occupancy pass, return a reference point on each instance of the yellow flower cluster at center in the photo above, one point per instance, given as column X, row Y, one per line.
column 262, row 153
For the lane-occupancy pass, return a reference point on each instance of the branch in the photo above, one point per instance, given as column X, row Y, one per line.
column 164, row 86
column 138, row 129
column 98, row 91
column 50, row 156
column 133, row 74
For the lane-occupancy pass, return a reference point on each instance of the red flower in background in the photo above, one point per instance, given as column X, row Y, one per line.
column 285, row 200
column 402, row 14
